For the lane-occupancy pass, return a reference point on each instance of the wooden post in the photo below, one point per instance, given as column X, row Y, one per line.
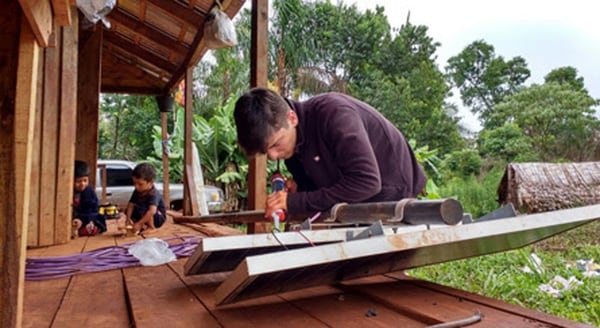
column 257, row 170
column 165, row 158
column 187, row 139
column 16, row 166
column 67, row 131
column 88, row 100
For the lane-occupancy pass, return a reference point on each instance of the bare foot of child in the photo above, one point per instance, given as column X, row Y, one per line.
column 149, row 231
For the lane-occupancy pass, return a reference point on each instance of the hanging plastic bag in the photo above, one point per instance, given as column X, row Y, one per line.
column 152, row 252
column 96, row 10
column 219, row 31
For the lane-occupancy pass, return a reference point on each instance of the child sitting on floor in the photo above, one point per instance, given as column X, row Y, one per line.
column 86, row 220
column 146, row 208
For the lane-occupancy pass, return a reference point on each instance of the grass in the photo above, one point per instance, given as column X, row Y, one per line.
column 501, row 276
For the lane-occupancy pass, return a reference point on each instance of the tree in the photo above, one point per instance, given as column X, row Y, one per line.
column 484, row 79
column 566, row 75
column 507, row 143
column 125, row 126
column 558, row 120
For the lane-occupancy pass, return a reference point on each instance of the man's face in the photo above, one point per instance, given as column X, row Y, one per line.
column 281, row 143
column 142, row 185
column 81, row 183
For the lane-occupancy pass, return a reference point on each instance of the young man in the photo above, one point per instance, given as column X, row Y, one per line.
column 146, row 209
column 86, row 220
column 337, row 148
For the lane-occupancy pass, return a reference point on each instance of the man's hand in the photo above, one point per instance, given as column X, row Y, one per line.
column 275, row 202
column 290, row 185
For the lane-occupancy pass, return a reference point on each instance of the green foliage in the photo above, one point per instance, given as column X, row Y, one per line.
column 478, row 197
column 557, row 120
column 461, row 164
column 125, row 126
column 501, row 276
column 484, row 79
column 507, row 143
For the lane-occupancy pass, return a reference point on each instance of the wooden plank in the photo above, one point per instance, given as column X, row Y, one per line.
column 335, row 307
column 107, row 307
column 494, row 303
column 62, row 12
column 36, row 165
column 50, row 127
column 40, row 307
column 294, row 269
column 10, row 24
column 253, row 313
column 433, row 307
column 40, row 18
column 187, row 142
column 66, row 132
column 159, row 291
column 23, row 137
column 257, row 165
column 88, row 101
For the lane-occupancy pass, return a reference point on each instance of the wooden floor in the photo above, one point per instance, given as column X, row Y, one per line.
column 161, row 296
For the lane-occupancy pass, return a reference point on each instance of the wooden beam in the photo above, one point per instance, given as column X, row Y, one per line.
column 187, row 141
column 257, row 170
column 175, row 9
column 25, row 103
column 135, row 50
column 39, row 15
column 88, row 100
column 62, row 12
column 10, row 23
column 67, row 132
column 139, row 27
column 44, row 234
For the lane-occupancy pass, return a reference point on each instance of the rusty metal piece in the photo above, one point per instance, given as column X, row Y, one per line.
column 460, row 323
column 436, row 211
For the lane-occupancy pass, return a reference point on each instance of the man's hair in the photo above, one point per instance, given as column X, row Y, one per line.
column 258, row 114
column 144, row 171
column 81, row 169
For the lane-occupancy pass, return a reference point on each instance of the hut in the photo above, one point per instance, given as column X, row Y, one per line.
column 541, row 187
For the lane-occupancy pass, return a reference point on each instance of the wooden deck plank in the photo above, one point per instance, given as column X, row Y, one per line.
column 506, row 307
column 322, row 302
column 158, row 298
column 94, row 300
column 433, row 307
column 252, row 313
column 41, row 301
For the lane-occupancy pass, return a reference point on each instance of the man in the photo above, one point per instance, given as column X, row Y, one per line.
column 337, row 148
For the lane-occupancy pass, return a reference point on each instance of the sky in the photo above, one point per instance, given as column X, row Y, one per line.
column 547, row 34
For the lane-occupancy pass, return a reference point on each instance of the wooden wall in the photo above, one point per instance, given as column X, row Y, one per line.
column 49, row 221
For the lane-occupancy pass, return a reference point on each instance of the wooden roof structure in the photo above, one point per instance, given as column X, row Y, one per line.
column 151, row 43
column 541, row 187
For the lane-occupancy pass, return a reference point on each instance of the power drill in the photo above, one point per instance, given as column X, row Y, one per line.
column 277, row 184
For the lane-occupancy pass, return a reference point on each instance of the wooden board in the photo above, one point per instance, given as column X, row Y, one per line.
column 295, row 269
column 225, row 253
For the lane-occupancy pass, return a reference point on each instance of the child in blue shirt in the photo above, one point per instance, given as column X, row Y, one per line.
column 146, row 209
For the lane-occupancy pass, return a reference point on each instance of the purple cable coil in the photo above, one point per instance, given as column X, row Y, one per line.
column 101, row 259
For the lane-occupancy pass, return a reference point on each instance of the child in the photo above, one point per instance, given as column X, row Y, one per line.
column 146, row 208
column 86, row 220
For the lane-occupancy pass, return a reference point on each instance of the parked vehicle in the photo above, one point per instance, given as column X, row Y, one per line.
column 119, row 187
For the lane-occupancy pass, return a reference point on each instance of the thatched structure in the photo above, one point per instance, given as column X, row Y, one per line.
column 541, row 187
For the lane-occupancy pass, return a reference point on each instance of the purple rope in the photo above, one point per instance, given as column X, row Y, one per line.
column 101, row 259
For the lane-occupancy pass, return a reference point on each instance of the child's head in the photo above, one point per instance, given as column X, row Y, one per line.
column 143, row 176
column 82, row 173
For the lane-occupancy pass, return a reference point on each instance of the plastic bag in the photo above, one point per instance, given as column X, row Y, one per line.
column 219, row 31
column 95, row 10
column 152, row 252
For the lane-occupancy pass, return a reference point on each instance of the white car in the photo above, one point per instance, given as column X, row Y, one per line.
column 119, row 187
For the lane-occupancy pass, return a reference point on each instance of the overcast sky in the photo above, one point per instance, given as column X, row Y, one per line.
column 547, row 34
